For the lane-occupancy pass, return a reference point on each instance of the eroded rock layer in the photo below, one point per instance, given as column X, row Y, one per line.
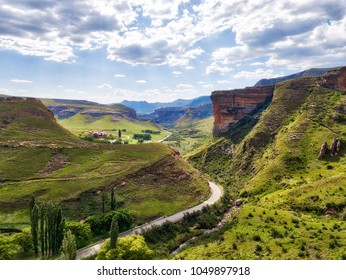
column 230, row 106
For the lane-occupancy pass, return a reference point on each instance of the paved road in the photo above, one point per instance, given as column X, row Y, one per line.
column 215, row 196
column 163, row 139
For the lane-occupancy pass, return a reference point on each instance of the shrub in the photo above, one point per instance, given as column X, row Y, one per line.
column 82, row 233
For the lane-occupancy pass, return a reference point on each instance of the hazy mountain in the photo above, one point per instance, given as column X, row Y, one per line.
column 313, row 72
column 144, row 107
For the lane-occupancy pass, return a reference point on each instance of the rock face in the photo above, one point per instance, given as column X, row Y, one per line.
column 335, row 79
column 230, row 106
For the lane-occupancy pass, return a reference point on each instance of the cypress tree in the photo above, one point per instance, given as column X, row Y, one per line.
column 104, row 197
column 34, row 216
column 114, row 232
column 119, row 133
column 42, row 231
column 112, row 199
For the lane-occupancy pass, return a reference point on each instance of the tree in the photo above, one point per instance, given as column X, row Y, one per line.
column 119, row 133
column 131, row 247
column 114, row 232
column 104, row 199
column 81, row 232
column 24, row 240
column 69, row 247
column 34, row 217
column 42, row 230
column 112, row 199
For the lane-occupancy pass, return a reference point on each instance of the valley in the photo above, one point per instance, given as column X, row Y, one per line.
column 276, row 149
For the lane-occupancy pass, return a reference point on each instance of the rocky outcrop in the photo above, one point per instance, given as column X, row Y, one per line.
column 230, row 106
column 323, row 150
column 335, row 79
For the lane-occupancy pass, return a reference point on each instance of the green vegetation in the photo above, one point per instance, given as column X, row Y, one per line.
column 129, row 248
column 189, row 135
column 47, row 161
column 81, row 124
column 294, row 203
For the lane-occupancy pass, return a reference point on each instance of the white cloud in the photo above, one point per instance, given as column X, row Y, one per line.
column 257, row 74
column 177, row 73
column 215, row 68
column 119, row 76
column 18, row 81
column 141, row 81
column 105, row 86
column 166, row 32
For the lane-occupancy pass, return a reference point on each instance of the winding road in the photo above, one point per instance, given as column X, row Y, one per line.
column 215, row 196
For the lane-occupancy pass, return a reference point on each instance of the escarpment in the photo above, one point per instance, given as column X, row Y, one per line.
column 230, row 106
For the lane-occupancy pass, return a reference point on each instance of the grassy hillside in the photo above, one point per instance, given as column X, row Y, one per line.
column 38, row 156
column 82, row 123
column 293, row 203
column 28, row 120
column 189, row 134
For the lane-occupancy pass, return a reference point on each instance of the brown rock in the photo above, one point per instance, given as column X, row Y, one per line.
column 335, row 147
column 323, row 150
column 335, row 79
column 230, row 106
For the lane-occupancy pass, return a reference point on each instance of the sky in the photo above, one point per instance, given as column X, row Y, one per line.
column 161, row 50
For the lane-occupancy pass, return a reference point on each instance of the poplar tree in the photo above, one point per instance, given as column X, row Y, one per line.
column 104, row 197
column 112, row 199
column 119, row 133
column 34, row 216
column 114, row 232
column 42, row 231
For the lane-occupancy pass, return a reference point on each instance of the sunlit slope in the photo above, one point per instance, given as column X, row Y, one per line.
column 28, row 120
column 38, row 156
column 293, row 202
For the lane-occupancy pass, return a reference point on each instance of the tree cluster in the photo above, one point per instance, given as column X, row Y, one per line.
column 47, row 228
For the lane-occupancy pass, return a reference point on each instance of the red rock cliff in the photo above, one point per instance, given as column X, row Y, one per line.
column 230, row 106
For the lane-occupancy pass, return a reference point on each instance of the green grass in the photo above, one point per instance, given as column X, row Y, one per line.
column 275, row 169
column 190, row 135
column 261, row 233
column 54, row 165
column 82, row 124
column 29, row 120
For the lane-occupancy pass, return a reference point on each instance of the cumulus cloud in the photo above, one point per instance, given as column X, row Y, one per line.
column 215, row 68
column 18, row 81
column 289, row 33
column 167, row 32
column 257, row 74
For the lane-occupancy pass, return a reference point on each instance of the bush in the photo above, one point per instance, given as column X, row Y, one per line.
column 131, row 247
column 82, row 233
column 101, row 224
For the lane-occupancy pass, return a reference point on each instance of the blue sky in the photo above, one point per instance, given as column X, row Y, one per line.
column 161, row 50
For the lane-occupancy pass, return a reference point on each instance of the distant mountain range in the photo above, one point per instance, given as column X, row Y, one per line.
column 313, row 72
column 144, row 107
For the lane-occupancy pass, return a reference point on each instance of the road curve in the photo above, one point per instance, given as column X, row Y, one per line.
column 215, row 196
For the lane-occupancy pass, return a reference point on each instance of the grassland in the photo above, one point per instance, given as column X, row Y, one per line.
column 190, row 135
column 54, row 165
column 81, row 124
column 293, row 203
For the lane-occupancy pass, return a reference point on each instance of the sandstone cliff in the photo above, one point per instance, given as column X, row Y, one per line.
column 230, row 106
